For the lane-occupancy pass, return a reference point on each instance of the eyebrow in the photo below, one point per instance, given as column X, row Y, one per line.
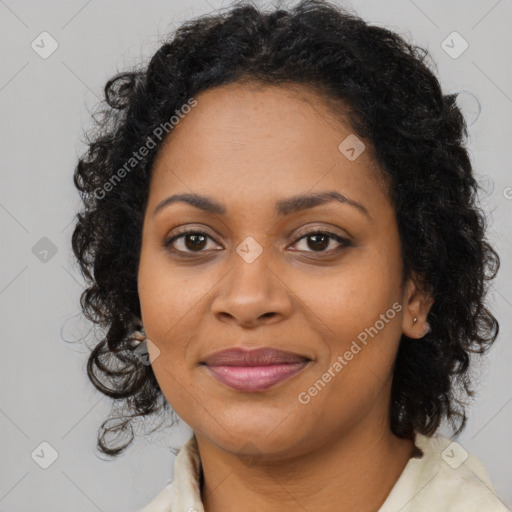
column 282, row 208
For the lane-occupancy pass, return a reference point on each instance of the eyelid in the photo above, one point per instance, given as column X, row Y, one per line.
column 187, row 228
column 190, row 229
column 311, row 230
column 179, row 232
column 343, row 241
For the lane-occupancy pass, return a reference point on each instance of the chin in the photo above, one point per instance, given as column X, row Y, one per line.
column 255, row 432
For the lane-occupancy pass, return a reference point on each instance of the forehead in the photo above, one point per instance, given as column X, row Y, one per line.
column 258, row 140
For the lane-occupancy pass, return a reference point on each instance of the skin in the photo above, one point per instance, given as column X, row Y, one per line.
column 266, row 450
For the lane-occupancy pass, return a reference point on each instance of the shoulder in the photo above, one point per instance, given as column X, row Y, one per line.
column 183, row 493
column 161, row 502
column 447, row 477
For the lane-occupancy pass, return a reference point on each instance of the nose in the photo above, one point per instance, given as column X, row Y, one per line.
column 252, row 294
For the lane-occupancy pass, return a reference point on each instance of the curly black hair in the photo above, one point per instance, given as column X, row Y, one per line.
column 418, row 136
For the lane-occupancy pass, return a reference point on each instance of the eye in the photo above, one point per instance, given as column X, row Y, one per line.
column 193, row 241
column 321, row 240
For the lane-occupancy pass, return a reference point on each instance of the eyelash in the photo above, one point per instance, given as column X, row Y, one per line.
column 182, row 233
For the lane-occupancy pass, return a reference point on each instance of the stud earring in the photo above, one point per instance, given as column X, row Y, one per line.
column 414, row 320
column 139, row 336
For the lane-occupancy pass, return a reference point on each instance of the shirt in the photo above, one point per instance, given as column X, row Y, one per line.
column 445, row 478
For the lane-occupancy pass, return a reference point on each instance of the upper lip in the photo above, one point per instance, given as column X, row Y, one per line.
column 253, row 357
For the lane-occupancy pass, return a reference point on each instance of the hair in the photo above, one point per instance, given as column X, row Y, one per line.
column 418, row 136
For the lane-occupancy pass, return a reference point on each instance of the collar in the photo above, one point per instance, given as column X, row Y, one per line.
column 443, row 473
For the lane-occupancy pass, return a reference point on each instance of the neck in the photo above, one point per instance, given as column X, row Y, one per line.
column 355, row 471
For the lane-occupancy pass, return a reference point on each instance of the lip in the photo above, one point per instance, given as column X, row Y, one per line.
column 254, row 370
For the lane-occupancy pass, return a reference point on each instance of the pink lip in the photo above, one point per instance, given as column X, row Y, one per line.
column 254, row 370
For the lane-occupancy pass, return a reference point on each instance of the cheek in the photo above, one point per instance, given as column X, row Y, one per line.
column 169, row 295
column 358, row 308
column 359, row 354
column 338, row 304
column 351, row 297
column 172, row 317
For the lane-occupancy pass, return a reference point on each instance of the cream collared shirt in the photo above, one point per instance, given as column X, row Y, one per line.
column 446, row 478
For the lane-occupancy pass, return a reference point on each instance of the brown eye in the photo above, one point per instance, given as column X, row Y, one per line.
column 194, row 241
column 318, row 241
column 191, row 241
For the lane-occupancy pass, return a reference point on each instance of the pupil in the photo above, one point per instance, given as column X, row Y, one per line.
column 325, row 240
column 196, row 244
column 197, row 241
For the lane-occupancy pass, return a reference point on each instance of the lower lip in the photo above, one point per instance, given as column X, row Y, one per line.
column 255, row 378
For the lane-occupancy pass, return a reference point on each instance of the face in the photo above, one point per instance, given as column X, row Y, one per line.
column 253, row 273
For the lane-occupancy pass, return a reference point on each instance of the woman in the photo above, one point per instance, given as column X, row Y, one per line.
column 282, row 239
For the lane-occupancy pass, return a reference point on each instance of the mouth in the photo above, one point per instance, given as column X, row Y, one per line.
column 254, row 370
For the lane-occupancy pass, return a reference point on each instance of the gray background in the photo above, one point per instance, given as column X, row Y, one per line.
column 45, row 395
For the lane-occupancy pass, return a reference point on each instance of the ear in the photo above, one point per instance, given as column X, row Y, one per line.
column 417, row 302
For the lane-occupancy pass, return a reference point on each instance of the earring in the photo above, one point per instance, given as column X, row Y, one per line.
column 139, row 336
column 414, row 320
